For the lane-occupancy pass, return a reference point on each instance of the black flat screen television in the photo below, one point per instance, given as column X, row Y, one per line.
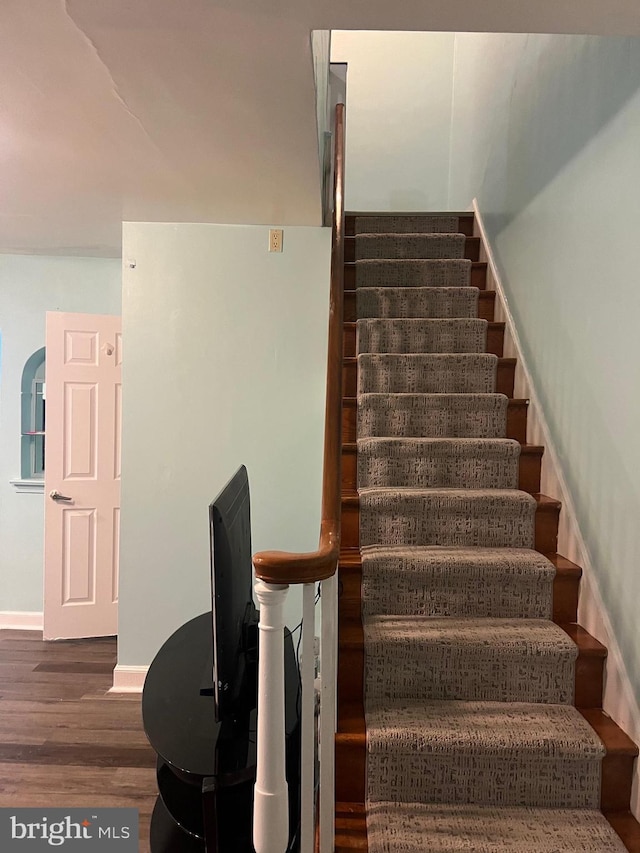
column 234, row 615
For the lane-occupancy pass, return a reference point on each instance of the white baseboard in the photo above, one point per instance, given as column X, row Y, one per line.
column 128, row 679
column 619, row 698
column 19, row 620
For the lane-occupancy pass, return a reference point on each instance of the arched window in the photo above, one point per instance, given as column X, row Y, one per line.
column 33, row 417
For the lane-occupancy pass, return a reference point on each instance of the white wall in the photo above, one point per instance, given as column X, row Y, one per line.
column 547, row 135
column 399, row 98
column 30, row 286
column 225, row 364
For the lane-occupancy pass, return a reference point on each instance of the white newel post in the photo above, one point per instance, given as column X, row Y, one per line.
column 271, row 798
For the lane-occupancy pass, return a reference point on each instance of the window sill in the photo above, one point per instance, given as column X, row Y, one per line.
column 28, row 486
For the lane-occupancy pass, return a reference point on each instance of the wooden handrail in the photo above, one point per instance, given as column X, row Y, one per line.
column 283, row 567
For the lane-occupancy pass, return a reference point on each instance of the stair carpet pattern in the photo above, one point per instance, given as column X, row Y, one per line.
column 473, row 743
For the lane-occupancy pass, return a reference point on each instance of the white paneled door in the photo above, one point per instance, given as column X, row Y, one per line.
column 82, row 475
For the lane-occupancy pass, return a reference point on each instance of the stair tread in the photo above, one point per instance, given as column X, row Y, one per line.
column 352, row 727
column 587, row 644
column 525, row 449
column 426, row 357
column 455, row 828
column 615, row 739
column 543, row 503
column 352, row 402
column 349, row 325
column 465, row 214
column 352, row 630
column 352, row 263
column 351, row 558
column 350, row 826
column 532, row 635
column 627, row 827
column 459, row 494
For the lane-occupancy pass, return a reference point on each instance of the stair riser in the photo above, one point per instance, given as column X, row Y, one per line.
column 516, row 420
column 421, row 522
column 471, row 249
column 487, row 675
column 565, row 603
column 528, row 473
column 616, row 779
column 465, row 224
column 589, row 682
column 420, row 474
column 505, row 376
column 486, row 305
column 495, row 340
column 478, row 279
column 351, row 764
column 546, row 527
column 350, row 828
column 586, row 682
column 435, row 779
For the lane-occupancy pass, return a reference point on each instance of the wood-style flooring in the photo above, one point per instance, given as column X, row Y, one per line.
column 64, row 740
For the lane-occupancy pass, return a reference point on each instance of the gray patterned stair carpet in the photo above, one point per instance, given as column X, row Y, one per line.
column 430, row 373
column 504, row 660
column 473, row 743
column 416, row 335
column 438, row 462
column 425, row 272
column 418, row 302
column 406, row 224
column 435, row 581
column 410, row 246
column 484, row 518
column 432, row 415
column 494, row 753
column 422, row 828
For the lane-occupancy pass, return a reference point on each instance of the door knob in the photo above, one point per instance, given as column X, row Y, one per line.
column 56, row 496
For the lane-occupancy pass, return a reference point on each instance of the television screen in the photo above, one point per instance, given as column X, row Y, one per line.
column 231, row 581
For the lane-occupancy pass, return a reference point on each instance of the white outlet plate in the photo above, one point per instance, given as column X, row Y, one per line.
column 275, row 239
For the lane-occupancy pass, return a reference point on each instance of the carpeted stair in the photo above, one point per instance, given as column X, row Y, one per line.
column 473, row 743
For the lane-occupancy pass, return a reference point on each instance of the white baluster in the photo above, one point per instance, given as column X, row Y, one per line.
column 307, row 712
column 271, row 797
column 328, row 715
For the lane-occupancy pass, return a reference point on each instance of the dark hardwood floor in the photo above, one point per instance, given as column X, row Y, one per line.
column 65, row 741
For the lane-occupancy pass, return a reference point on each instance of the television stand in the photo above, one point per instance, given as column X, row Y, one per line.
column 205, row 769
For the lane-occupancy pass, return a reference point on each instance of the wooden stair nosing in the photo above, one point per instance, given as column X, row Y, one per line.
column 478, row 276
column 627, row 827
column 350, row 827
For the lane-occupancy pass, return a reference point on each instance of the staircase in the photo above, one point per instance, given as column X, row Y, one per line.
column 469, row 700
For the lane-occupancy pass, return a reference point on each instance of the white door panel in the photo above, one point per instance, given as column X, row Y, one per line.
column 82, row 469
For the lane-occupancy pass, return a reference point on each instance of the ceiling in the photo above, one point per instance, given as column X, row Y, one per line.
column 191, row 110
